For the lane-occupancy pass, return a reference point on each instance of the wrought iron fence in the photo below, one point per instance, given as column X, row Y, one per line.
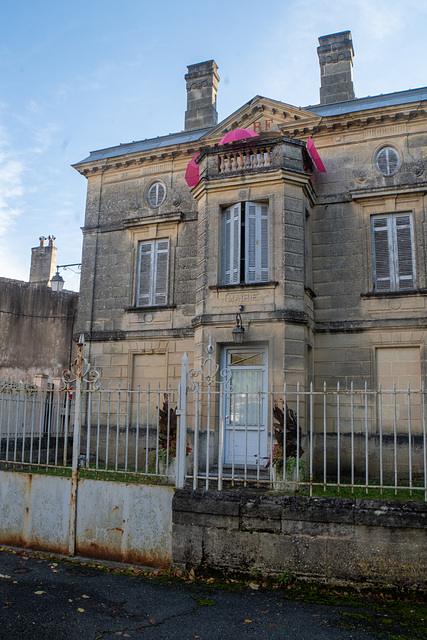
column 35, row 425
column 208, row 433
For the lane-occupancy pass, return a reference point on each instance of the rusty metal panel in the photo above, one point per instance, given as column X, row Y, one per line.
column 125, row 522
column 34, row 511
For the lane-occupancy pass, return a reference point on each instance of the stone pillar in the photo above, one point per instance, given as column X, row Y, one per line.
column 43, row 261
column 202, row 85
column 336, row 67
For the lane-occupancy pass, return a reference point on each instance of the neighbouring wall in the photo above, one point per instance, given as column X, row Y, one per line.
column 337, row 540
column 36, row 330
column 114, row 520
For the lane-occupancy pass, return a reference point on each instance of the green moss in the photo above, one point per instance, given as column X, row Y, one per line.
column 417, row 493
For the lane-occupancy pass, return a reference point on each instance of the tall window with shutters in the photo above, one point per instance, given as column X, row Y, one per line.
column 153, row 262
column 245, row 246
column 393, row 252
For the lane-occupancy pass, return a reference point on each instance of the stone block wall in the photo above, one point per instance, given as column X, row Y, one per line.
column 36, row 330
column 359, row 542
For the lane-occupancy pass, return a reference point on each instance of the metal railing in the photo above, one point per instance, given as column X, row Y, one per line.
column 205, row 434
column 35, row 425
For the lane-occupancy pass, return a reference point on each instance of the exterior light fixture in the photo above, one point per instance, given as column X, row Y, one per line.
column 238, row 331
column 57, row 282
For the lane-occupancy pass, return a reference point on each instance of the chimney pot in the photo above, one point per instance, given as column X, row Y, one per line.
column 43, row 261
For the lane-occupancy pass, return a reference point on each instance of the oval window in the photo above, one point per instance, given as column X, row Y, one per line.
column 387, row 161
column 156, row 194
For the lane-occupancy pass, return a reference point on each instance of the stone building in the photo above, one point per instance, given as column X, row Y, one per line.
column 326, row 269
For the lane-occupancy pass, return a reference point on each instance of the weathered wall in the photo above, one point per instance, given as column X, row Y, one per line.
column 34, row 511
column 115, row 520
column 125, row 522
column 36, row 329
column 355, row 541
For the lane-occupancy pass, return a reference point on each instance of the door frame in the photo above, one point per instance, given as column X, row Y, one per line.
column 262, row 429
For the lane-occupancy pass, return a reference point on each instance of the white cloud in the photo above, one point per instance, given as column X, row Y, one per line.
column 10, row 189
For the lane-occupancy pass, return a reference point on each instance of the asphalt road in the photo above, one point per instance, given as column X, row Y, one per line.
column 50, row 599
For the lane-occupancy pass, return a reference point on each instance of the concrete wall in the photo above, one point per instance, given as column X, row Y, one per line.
column 337, row 540
column 114, row 520
column 355, row 541
column 36, row 329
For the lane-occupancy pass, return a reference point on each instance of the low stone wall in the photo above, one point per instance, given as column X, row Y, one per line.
column 381, row 543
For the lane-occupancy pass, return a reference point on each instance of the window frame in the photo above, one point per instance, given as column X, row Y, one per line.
column 388, row 151
column 393, row 250
column 245, row 243
column 155, row 297
column 158, row 202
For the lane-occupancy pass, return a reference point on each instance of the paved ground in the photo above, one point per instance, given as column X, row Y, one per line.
column 50, row 599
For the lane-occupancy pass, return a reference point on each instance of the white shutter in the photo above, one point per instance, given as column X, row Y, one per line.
column 145, row 269
column 251, row 243
column 231, row 245
column 153, row 273
column 264, row 245
column 382, row 250
column 256, row 240
column 160, row 282
column 393, row 252
column 404, row 252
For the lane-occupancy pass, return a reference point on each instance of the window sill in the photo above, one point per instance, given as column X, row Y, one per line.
column 244, row 285
column 163, row 307
column 394, row 294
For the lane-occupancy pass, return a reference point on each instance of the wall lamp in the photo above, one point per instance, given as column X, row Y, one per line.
column 57, row 282
column 238, row 331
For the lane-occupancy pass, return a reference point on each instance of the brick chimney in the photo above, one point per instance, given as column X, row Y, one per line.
column 336, row 53
column 43, row 261
column 202, row 85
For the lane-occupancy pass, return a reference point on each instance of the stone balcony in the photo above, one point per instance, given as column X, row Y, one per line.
column 252, row 156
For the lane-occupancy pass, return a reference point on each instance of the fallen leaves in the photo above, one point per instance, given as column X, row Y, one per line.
column 4, row 576
column 38, row 593
column 253, row 585
column 80, row 610
column 247, row 620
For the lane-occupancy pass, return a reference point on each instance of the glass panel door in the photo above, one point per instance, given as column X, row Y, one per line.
column 246, row 407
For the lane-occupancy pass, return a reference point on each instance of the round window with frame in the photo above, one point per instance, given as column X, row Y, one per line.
column 156, row 194
column 387, row 161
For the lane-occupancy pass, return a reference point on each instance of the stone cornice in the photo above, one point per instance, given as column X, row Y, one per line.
column 184, row 151
column 378, row 192
column 253, row 179
column 162, row 218
column 318, row 125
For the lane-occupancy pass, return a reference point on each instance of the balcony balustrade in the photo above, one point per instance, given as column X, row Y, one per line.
column 248, row 158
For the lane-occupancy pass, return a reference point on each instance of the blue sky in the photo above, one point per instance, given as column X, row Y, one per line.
column 80, row 76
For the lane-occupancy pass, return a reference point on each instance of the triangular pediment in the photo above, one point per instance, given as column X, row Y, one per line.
column 260, row 115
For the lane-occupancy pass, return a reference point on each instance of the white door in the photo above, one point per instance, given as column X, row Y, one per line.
column 245, row 406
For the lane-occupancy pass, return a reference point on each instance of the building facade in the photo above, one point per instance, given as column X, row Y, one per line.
column 325, row 271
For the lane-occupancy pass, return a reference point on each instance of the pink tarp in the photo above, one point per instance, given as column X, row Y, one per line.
column 237, row 134
column 192, row 172
column 316, row 158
